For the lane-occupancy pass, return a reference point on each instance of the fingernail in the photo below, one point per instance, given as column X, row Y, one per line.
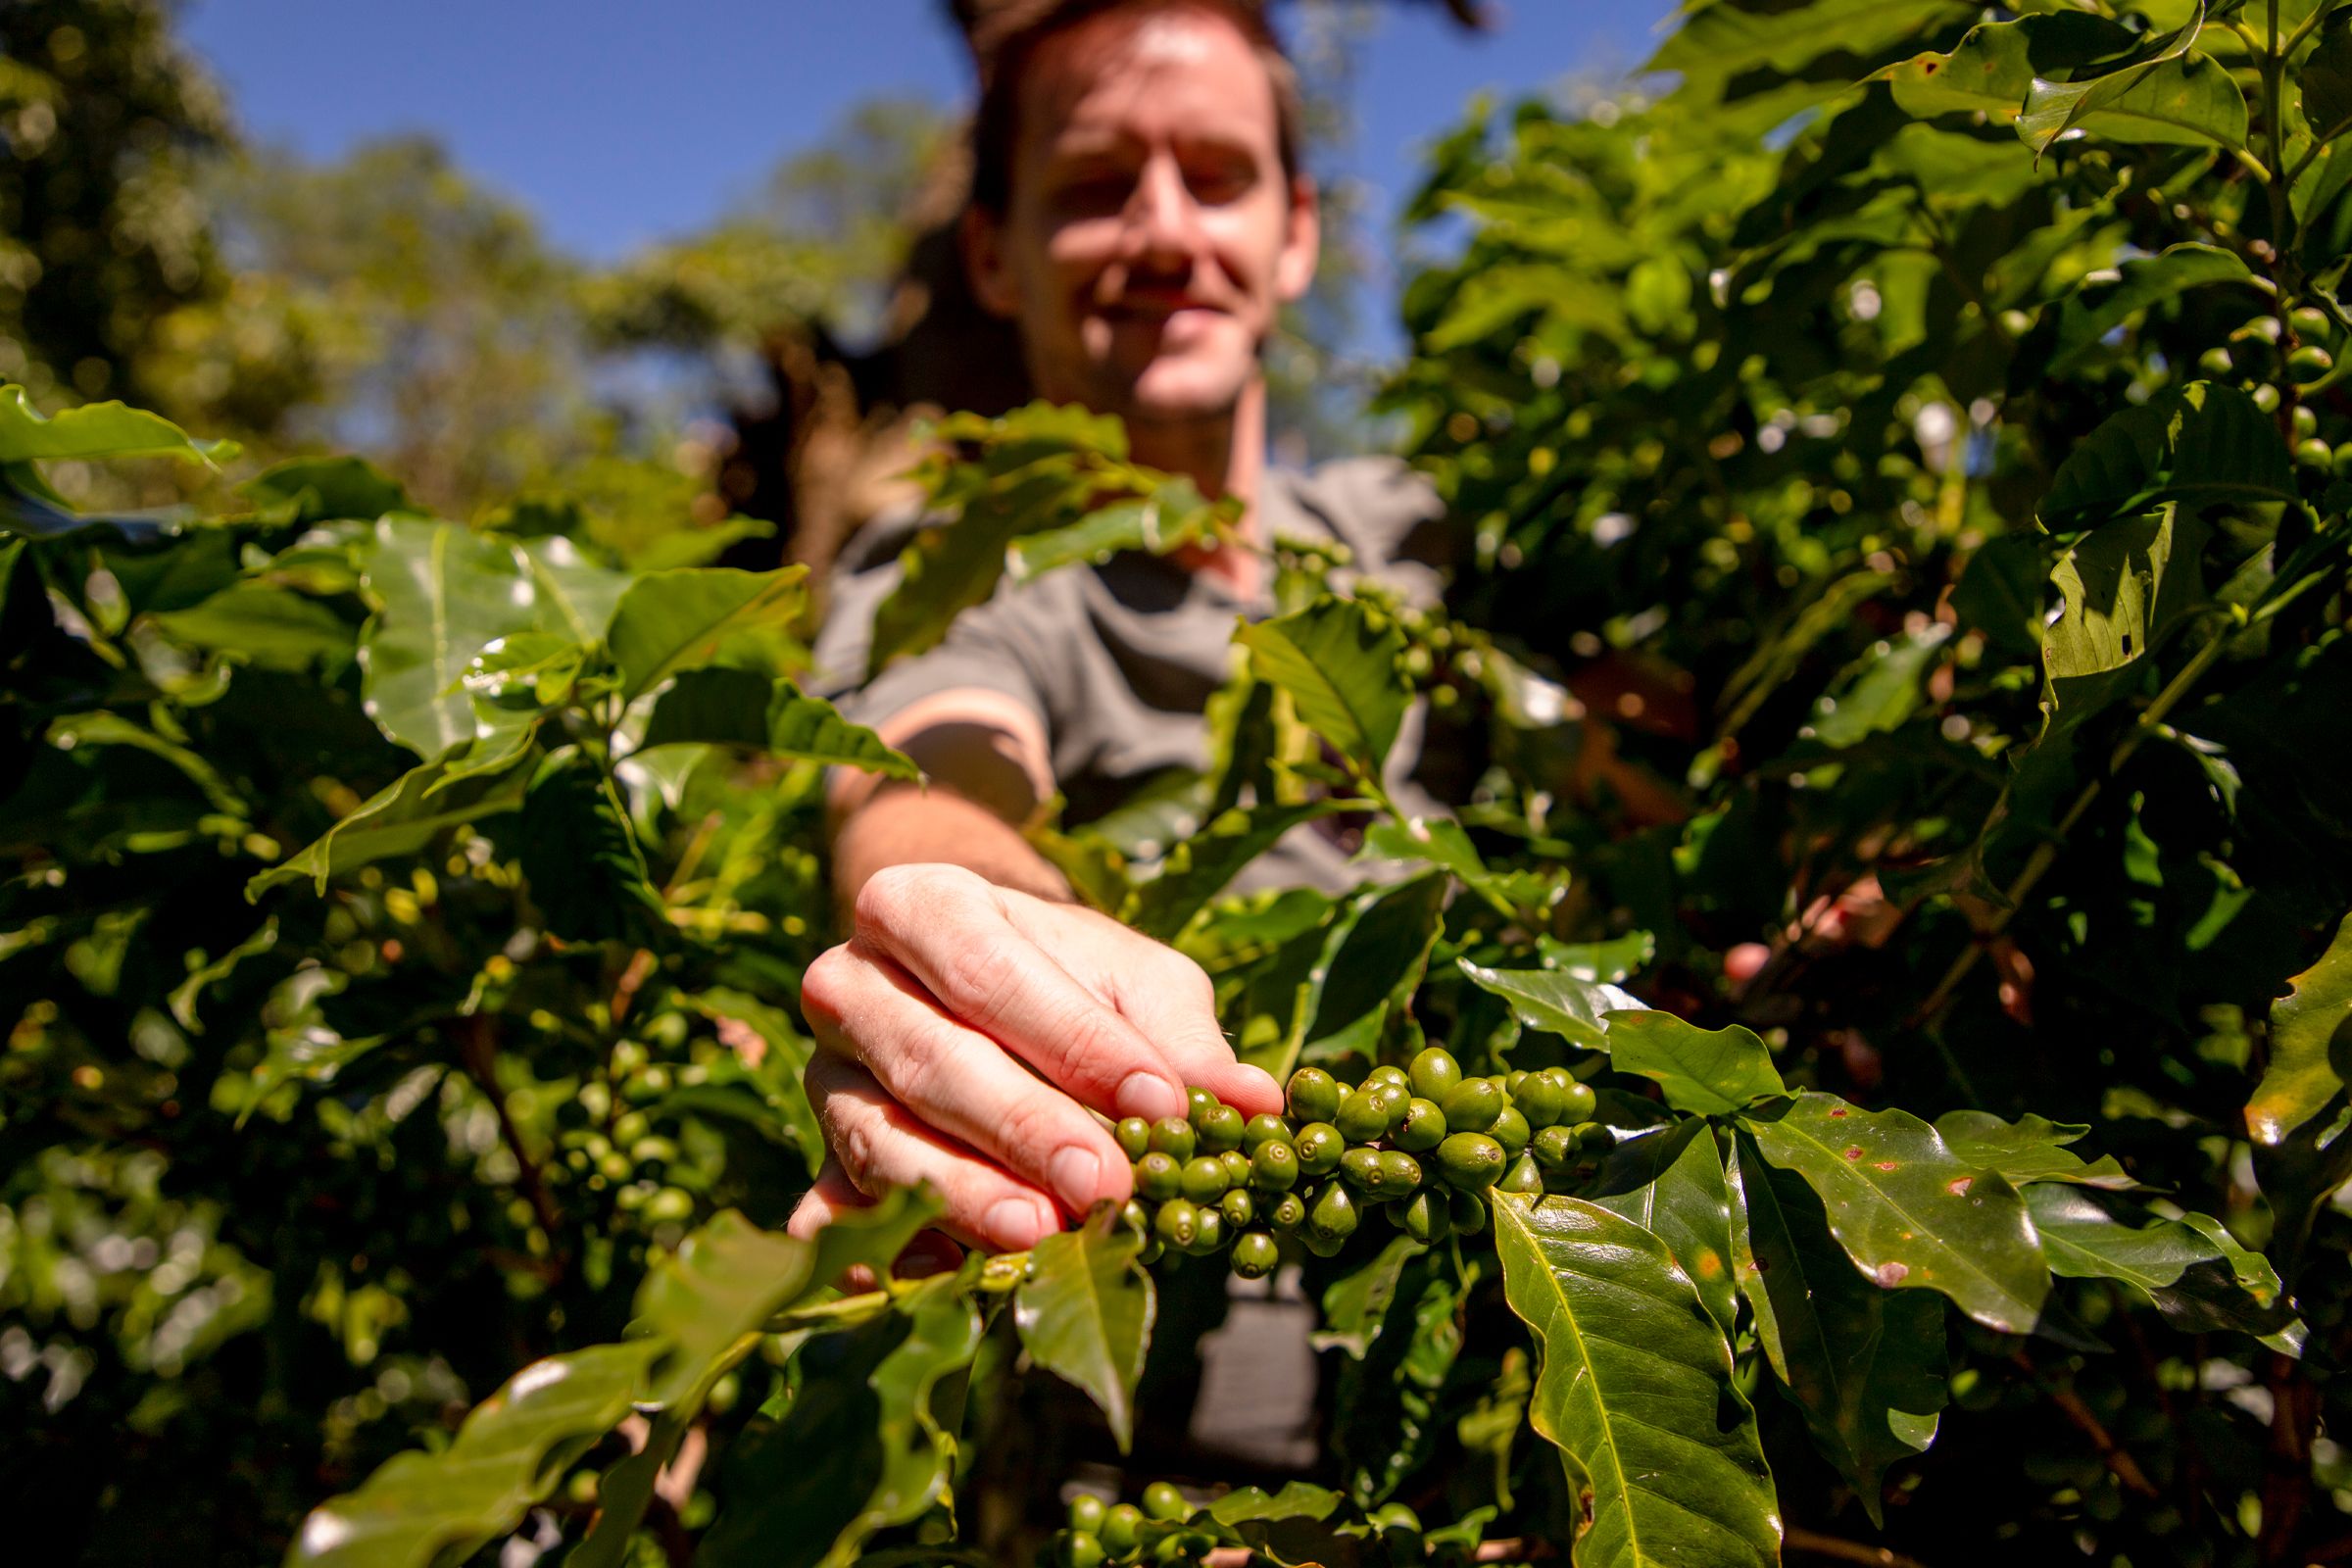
column 1015, row 1222
column 1076, row 1173
column 1148, row 1095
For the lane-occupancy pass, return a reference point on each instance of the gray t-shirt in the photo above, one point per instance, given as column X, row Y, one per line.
column 1117, row 662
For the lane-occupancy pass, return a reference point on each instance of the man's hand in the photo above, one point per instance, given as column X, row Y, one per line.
column 965, row 1035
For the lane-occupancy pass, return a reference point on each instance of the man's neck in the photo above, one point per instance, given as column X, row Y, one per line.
column 1223, row 457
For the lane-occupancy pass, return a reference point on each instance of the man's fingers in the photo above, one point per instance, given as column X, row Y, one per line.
column 834, row 1194
column 1172, row 1001
column 956, row 936
column 961, row 1082
column 880, row 1144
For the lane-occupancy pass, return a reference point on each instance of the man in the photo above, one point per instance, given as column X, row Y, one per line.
column 1141, row 214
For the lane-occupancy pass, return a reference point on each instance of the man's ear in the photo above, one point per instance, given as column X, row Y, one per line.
column 981, row 237
column 1301, row 241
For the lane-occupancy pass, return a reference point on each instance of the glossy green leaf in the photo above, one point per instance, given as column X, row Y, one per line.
column 314, row 490
column 1992, row 69
column 2201, row 444
column 420, row 1509
column 1199, row 867
column 2311, row 1044
column 1670, row 1182
column 254, row 623
column 1660, row 1447
column 1085, row 1313
column 2088, row 1237
column 1866, row 1367
column 787, row 1056
column 1336, row 659
column 2168, row 93
column 1372, row 963
column 693, row 617
column 1705, row 1072
column 1173, row 516
column 1389, row 1405
column 743, row 708
column 580, row 857
column 1724, row 40
column 1554, row 1001
column 2325, row 77
column 2031, row 1148
column 1908, row 1213
column 95, row 431
column 1443, row 842
column 1608, row 963
column 2099, row 304
column 404, row 818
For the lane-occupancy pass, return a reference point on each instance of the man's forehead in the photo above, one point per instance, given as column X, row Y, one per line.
column 1083, row 85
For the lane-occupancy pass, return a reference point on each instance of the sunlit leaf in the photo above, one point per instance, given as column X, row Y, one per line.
column 1554, row 1001
column 2031, row 1148
column 404, row 818
column 1670, row 1182
column 2311, row 1044
column 694, row 618
column 96, row 431
column 1085, row 1313
column 1337, row 658
column 1704, row 1072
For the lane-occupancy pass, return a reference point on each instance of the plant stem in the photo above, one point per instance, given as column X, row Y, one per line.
column 2124, row 1467
column 480, row 1052
column 1814, row 1544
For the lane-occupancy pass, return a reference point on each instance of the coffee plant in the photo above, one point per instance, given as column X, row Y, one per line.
column 1860, row 1076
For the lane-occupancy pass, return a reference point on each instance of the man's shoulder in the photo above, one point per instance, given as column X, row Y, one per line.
column 1389, row 516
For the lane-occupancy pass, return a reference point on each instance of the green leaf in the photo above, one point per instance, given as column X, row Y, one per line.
column 1704, row 1072
column 1356, row 1304
column 1670, row 1182
column 325, row 489
column 271, row 628
column 1610, row 964
column 2325, row 76
column 421, row 1509
column 1389, row 1407
column 2168, row 94
column 2201, row 444
column 96, row 431
column 1371, row 965
column 1659, row 1445
column 859, row 1449
column 1199, row 867
column 1337, row 658
column 406, row 817
column 2099, row 304
column 1720, row 40
column 1554, row 1001
column 581, row 860
column 740, row 708
column 1910, row 1215
column 695, row 617
column 2088, row 1237
column 1173, row 516
column 1442, row 841
column 1992, row 69
column 2311, row 1044
column 1085, row 1313
column 2030, row 1149
column 787, row 1057
column 1866, row 1367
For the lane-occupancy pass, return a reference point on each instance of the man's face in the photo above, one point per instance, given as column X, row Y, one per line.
column 1151, row 235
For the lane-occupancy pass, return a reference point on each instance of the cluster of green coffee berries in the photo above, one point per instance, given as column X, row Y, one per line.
column 1102, row 1532
column 1420, row 1144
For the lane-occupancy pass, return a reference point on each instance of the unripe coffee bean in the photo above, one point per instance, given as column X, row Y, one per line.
column 1314, row 1095
column 1173, row 1137
column 1319, row 1148
column 1263, row 1129
column 1470, row 1161
column 1363, row 1117
column 1274, row 1168
column 1220, row 1130
column 1134, row 1135
column 1158, row 1176
column 1423, row 1128
column 1472, row 1105
column 1204, row 1179
column 1432, row 1072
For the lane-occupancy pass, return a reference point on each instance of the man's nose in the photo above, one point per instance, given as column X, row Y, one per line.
column 1163, row 221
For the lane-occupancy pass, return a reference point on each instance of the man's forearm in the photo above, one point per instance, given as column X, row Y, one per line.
column 902, row 824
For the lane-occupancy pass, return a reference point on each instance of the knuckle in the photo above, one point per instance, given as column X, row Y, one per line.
column 977, row 977
column 825, row 984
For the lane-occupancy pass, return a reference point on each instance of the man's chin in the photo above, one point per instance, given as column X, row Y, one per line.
column 1182, row 395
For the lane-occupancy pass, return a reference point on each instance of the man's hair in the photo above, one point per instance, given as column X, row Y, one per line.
column 1006, row 35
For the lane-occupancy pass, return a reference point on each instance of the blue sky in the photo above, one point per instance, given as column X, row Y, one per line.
column 620, row 123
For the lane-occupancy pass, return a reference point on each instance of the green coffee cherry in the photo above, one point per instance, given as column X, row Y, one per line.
column 1472, row 1105
column 1197, row 1104
column 1136, row 1217
column 1359, row 1169
column 1314, row 1095
column 1087, row 1511
column 1263, row 1129
column 1153, row 1252
column 1432, row 1072
column 1079, row 1548
column 1395, row 1100
column 2315, row 454
column 1399, row 1173
column 2308, row 364
column 1322, row 1246
column 2213, row 362
column 1158, row 1176
column 1220, row 1130
column 1288, row 1213
column 1386, row 1075
column 1120, row 1525
column 1333, row 1215
column 1467, row 1213
column 1274, row 1168
column 2344, row 460
column 1540, row 1099
column 1510, row 1130
column 1426, row 1217
column 1523, row 1176
column 1254, row 1256
column 1237, row 1167
column 1238, row 1208
column 1163, row 1501
column 1208, row 1234
column 1173, row 1137
column 1554, row 1146
column 1579, row 1103
column 1470, row 1161
column 1423, row 1128
column 1512, row 1080
column 2306, row 423
column 1319, row 1148
column 1135, row 1137
column 1177, row 1225
column 1204, row 1179
column 2266, row 398
column 2310, row 323
column 1363, row 1117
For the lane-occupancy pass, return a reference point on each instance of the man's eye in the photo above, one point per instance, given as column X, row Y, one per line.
column 1215, row 184
column 1095, row 193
